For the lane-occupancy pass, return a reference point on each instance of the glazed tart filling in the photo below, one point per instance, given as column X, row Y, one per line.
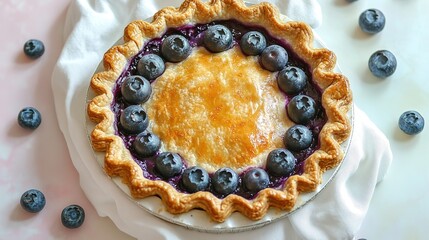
column 215, row 114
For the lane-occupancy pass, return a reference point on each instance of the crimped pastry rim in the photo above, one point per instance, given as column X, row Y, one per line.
column 336, row 99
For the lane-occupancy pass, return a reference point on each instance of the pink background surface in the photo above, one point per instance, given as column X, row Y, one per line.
column 37, row 159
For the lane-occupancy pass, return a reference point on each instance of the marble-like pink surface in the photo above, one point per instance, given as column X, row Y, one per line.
column 37, row 159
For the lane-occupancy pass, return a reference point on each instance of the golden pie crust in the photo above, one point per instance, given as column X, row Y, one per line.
column 336, row 101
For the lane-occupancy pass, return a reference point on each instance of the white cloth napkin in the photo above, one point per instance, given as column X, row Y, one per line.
column 92, row 26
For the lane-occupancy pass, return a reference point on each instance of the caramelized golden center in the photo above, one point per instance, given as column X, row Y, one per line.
column 218, row 110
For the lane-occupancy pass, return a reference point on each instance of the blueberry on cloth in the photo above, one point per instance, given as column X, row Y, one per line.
column 411, row 122
column 72, row 216
column 29, row 118
column 136, row 89
column 168, row 164
column 195, row 179
column 146, row 144
column 150, row 66
column 298, row 138
column 33, row 201
column 292, row 80
column 382, row 63
column 274, row 58
column 301, row 109
column 225, row 181
column 253, row 43
column 372, row 21
column 217, row 38
column 256, row 179
column 175, row 48
column 280, row 162
column 134, row 119
column 34, row 48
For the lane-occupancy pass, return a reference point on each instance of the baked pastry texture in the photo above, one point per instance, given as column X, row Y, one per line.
column 336, row 101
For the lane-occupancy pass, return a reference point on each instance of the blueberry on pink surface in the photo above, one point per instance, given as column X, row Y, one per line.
column 33, row 201
column 72, row 216
column 34, row 48
column 29, row 118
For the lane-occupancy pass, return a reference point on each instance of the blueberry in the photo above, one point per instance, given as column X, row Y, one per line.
column 298, row 138
column 292, row 80
column 136, row 89
column 382, row 63
column 225, row 181
column 274, row 58
column 217, row 38
column 175, row 48
column 34, row 48
column 134, row 119
column 30, row 118
column 280, row 162
column 146, row 144
column 372, row 21
column 72, row 216
column 256, row 179
column 253, row 43
column 168, row 164
column 151, row 66
column 411, row 122
column 301, row 109
column 195, row 179
column 33, row 201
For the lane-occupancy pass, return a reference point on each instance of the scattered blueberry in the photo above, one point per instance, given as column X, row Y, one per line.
column 298, row 138
column 34, row 48
column 382, row 63
column 225, row 181
column 256, row 179
column 146, row 144
column 253, row 43
column 217, row 38
column 168, row 164
column 134, row 119
column 33, row 201
column 151, row 66
column 136, row 89
column 301, row 109
column 72, row 216
column 274, row 58
column 292, row 80
column 372, row 21
column 411, row 122
column 195, row 179
column 175, row 48
column 280, row 162
column 30, row 118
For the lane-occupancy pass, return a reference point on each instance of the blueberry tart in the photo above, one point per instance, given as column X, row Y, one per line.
column 220, row 106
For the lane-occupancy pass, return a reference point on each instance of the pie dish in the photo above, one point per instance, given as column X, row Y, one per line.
column 250, row 146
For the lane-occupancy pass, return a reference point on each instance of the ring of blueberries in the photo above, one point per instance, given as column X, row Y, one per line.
column 302, row 106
